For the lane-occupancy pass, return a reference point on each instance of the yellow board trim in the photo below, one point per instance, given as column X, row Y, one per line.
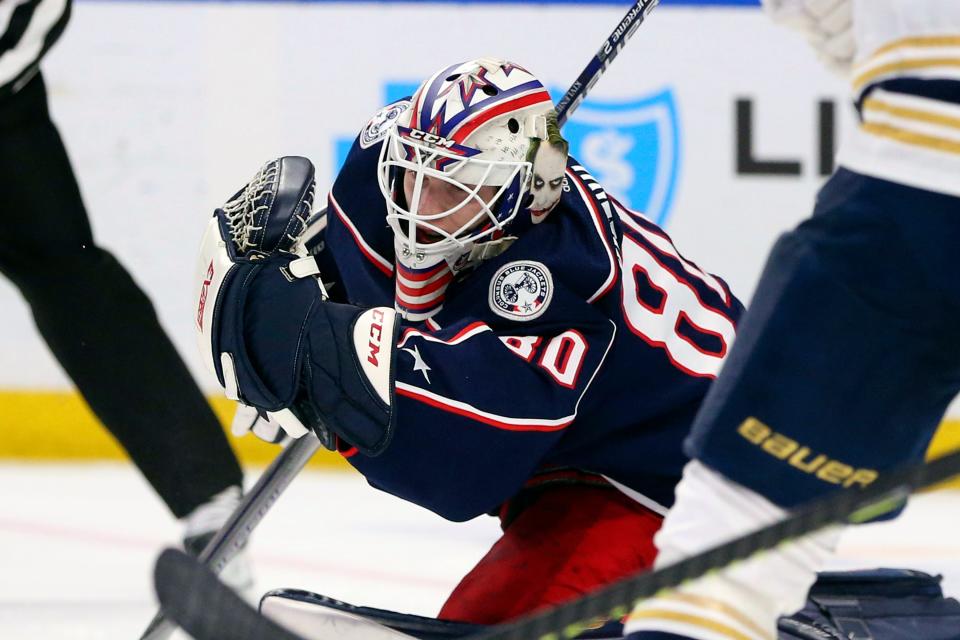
column 873, row 104
column 58, row 425
column 52, row 425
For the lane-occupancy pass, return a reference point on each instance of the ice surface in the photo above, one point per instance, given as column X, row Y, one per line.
column 77, row 543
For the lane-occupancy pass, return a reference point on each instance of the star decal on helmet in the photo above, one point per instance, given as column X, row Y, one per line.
column 469, row 83
column 511, row 66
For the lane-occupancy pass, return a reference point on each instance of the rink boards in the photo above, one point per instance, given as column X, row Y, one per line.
column 168, row 107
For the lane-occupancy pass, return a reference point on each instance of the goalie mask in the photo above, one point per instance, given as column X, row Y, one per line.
column 462, row 161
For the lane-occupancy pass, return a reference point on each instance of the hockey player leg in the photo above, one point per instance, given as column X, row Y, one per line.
column 849, row 353
column 568, row 541
column 744, row 600
column 97, row 321
column 844, row 366
column 103, row 329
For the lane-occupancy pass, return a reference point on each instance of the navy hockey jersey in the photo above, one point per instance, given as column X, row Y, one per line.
column 601, row 369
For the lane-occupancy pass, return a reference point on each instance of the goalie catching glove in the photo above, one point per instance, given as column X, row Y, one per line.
column 267, row 331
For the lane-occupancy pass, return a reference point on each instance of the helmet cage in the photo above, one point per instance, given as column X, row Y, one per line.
column 453, row 164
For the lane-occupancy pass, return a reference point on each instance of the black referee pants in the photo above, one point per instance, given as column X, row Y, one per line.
column 99, row 324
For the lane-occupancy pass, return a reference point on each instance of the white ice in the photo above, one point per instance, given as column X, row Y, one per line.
column 77, row 543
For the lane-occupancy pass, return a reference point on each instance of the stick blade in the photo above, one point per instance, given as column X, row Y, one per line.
column 193, row 597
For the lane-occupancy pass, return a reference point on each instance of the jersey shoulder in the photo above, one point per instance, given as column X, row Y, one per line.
column 356, row 201
column 360, row 166
column 580, row 238
column 375, row 131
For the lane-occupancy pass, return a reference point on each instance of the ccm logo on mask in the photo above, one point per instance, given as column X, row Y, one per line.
column 430, row 138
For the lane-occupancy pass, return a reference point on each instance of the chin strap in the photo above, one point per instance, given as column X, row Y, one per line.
column 481, row 251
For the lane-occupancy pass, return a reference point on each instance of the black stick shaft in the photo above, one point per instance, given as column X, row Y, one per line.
column 602, row 59
column 590, row 74
column 220, row 614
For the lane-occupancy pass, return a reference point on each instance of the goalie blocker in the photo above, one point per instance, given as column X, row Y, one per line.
column 249, row 252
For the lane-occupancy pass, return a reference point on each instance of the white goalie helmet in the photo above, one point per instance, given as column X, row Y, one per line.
column 459, row 164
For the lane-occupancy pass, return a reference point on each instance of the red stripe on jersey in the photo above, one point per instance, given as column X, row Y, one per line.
column 467, row 329
column 485, row 419
column 378, row 261
column 650, row 227
column 587, row 196
column 641, row 219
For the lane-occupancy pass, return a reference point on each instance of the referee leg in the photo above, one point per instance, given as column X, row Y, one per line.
column 99, row 324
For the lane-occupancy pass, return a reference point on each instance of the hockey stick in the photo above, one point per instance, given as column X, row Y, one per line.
column 233, row 535
column 850, row 506
column 599, row 62
column 588, row 77
column 222, row 615
column 219, row 614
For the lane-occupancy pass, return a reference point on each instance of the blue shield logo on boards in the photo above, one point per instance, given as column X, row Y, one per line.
column 632, row 147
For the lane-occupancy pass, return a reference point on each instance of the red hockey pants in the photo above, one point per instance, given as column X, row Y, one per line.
column 568, row 542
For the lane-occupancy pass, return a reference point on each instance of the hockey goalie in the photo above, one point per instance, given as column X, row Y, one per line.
column 478, row 327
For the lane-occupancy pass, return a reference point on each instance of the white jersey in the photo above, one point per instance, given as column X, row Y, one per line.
column 907, row 137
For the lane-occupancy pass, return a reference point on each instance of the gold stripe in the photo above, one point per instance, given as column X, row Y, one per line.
column 58, row 425
column 917, row 41
column 687, row 618
column 912, row 114
column 867, row 77
column 909, row 137
column 716, row 605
